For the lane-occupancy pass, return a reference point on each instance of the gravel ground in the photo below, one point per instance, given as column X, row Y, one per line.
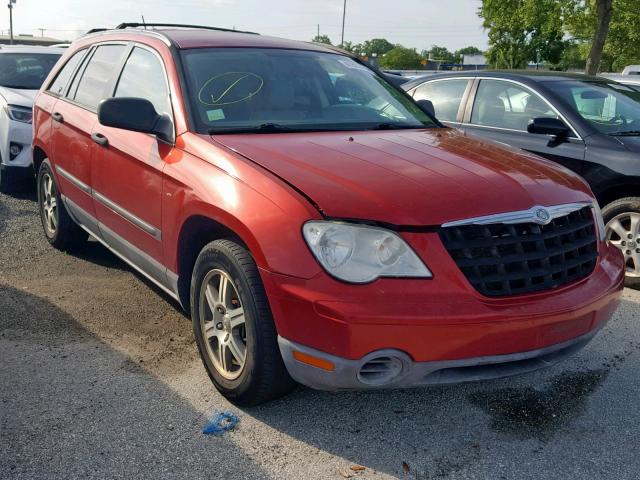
column 99, row 378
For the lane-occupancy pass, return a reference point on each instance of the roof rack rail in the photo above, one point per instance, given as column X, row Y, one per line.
column 96, row 30
column 178, row 25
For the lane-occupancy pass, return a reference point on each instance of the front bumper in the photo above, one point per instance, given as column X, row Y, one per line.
column 439, row 325
column 368, row 373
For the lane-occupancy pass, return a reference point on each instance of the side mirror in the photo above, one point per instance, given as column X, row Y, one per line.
column 548, row 126
column 427, row 107
column 137, row 115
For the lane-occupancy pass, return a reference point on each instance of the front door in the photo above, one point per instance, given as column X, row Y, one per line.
column 127, row 170
column 501, row 111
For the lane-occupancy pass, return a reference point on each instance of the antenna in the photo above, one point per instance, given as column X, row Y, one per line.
column 144, row 24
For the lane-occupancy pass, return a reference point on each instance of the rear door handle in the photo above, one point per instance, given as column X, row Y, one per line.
column 100, row 139
column 57, row 117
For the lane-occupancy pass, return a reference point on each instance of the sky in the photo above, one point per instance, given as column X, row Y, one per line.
column 413, row 23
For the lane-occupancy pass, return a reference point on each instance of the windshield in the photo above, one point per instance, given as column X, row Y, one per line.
column 611, row 108
column 25, row 70
column 276, row 90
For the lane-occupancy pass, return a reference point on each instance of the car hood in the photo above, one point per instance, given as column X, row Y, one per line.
column 16, row 96
column 409, row 177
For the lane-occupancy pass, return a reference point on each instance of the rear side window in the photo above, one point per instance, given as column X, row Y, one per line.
column 445, row 95
column 143, row 77
column 96, row 76
column 59, row 84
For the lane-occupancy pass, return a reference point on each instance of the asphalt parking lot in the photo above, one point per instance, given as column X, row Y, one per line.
column 99, row 378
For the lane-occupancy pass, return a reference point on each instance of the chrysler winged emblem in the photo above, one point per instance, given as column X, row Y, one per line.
column 542, row 215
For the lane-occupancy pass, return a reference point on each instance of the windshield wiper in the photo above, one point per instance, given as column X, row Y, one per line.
column 628, row 133
column 264, row 128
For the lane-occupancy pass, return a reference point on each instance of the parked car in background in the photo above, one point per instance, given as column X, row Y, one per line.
column 629, row 80
column 22, row 71
column 631, row 70
column 590, row 125
column 316, row 223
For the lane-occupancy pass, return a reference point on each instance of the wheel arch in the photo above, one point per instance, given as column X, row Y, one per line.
column 615, row 192
column 197, row 231
column 39, row 155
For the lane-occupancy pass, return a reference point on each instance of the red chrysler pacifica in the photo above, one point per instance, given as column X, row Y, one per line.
column 318, row 225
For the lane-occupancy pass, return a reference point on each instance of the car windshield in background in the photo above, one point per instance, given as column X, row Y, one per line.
column 236, row 90
column 25, row 70
column 612, row 108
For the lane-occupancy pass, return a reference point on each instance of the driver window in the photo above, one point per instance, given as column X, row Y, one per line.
column 507, row 105
column 143, row 77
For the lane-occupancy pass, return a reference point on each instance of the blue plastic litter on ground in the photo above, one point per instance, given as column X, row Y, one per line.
column 221, row 422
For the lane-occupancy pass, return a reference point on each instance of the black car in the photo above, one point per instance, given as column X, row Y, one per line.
column 591, row 125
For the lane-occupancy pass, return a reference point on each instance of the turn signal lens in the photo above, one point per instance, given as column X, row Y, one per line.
column 314, row 361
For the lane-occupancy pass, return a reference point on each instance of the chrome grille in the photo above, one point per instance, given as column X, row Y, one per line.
column 502, row 259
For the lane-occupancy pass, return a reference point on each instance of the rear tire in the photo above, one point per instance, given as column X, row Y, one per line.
column 622, row 219
column 239, row 350
column 61, row 231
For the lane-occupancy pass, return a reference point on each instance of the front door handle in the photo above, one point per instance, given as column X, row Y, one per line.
column 57, row 117
column 100, row 139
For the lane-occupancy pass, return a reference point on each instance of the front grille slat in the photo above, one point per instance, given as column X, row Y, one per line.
column 511, row 259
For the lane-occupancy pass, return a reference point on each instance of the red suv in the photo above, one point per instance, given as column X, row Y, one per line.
column 318, row 224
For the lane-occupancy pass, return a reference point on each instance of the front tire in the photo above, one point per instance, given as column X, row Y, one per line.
column 61, row 231
column 233, row 326
column 622, row 220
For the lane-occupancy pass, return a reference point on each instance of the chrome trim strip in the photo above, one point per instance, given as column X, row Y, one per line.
column 152, row 264
column 138, row 222
column 532, row 215
column 78, row 183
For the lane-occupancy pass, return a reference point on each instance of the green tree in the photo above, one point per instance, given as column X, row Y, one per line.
column 376, row 47
column 322, row 39
column 521, row 31
column 401, row 58
column 437, row 52
column 622, row 44
column 466, row 51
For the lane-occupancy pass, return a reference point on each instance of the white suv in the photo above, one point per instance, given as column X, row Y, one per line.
column 22, row 71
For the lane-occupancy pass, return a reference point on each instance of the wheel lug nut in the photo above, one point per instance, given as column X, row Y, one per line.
column 219, row 325
column 628, row 252
column 624, row 243
column 629, row 236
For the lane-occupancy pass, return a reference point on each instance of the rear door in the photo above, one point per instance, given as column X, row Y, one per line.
column 501, row 109
column 73, row 117
column 447, row 96
column 127, row 168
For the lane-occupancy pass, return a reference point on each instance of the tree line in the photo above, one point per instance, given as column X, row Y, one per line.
column 397, row 57
column 594, row 35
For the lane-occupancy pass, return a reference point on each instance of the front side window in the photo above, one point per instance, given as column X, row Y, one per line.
column 507, row 105
column 59, row 84
column 611, row 108
column 96, row 75
column 240, row 89
column 446, row 96
column 143, row 77
column 26, row 70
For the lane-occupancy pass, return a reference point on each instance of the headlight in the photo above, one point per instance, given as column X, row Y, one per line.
column 360, row 253
column 19, row 114
column 597, row 214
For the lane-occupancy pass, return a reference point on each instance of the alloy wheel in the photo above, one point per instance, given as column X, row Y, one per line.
column 49, row 204
column 223, row 324
column 623, row 231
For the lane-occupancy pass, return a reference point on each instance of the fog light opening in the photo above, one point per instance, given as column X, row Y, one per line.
column 381, row 370
column 14, row 150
